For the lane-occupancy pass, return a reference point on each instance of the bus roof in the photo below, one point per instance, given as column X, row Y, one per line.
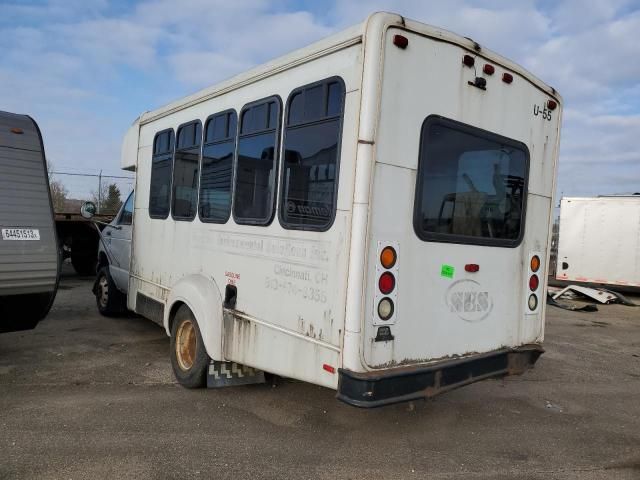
column 376, row 22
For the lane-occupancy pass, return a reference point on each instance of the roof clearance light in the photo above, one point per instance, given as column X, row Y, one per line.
column 507, row 77
column 535, row 263
column 386, row 283
column 385, row 308
column 388, row 257
column 534, row 282
column 400, row 41
column 551, row 104
column 468, row 60
column 488, row 69
column 533, row 302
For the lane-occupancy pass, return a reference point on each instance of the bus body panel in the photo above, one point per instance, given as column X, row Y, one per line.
column 440, row 316
column 291, row 284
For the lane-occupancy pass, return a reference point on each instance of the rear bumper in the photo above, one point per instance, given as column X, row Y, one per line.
column 375, row 389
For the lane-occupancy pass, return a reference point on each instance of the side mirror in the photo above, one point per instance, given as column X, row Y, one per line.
column 88, row 210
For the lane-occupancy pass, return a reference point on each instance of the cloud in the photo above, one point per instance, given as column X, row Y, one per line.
column 86, row 68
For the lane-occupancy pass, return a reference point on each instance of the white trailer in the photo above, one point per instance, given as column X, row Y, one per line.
column 370, row 213
column 29, row 259
column 599, row 241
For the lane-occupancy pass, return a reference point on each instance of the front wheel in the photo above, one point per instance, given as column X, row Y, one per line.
column 189, row 358
column 109, row 299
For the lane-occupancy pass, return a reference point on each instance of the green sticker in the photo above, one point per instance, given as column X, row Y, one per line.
column 447, row 271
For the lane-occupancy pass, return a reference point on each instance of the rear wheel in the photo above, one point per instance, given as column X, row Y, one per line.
column 84, row 264
column 84, row 252
column 189, row 358
column 23, row 312
column 109, row 299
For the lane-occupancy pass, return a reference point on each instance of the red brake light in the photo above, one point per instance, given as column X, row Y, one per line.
column 471, row 267
column 534, row 282
column 400, row 41
column 488, row 69
column 468, row 60
column 386, row 283
column 507, row 77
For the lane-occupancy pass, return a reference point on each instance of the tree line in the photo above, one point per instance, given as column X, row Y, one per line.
column 108, row 199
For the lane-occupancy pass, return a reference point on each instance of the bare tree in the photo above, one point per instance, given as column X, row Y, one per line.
column 59, row 193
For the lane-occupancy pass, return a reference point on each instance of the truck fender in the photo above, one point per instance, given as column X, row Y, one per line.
column 202, row 296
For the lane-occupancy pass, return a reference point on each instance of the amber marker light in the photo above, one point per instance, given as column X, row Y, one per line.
column 535, row 263
column 388, row 257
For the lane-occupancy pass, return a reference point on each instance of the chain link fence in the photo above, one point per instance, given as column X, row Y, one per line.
column 69, row 189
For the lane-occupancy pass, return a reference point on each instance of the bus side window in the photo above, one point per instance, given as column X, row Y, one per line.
column 256, row 168
column 160, row 188
column 186, row 165
column 217, row 167
column 311, row 150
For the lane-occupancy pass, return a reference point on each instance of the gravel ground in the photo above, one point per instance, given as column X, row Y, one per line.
column 83, row 396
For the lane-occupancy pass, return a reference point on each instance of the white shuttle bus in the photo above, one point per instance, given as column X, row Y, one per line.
column 370, row 213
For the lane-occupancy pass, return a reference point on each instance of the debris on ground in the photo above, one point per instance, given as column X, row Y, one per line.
column 600, row 295
column 570, row 306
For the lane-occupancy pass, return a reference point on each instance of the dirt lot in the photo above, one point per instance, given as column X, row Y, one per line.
column 88, row 397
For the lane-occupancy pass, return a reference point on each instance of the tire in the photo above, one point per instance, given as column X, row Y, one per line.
column 189, row 358
column 23, row 312
column 84, row 251
column 109, row 299
column 83, row 264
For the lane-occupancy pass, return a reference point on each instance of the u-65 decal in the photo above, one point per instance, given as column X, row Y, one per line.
column 544, row 111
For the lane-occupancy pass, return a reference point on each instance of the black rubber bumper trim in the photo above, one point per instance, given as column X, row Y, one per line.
column 375, row 389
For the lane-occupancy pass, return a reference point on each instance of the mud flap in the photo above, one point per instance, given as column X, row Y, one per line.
column 229, row 374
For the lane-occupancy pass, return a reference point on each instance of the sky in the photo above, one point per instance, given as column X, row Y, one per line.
column 85, row 69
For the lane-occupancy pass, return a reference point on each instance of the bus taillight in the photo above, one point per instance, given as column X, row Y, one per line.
column 388, row 257
column 535, row 263
column 385, row 308
column 385, row 298
column 533, row 302
column 387, row 283
column 533, row 282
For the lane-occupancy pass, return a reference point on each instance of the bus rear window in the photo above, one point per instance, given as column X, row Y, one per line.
column 471, row 185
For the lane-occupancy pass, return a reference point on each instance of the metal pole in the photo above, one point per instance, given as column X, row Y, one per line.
column 99, row 190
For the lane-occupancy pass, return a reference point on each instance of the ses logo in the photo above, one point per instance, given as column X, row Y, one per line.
column 468, row 300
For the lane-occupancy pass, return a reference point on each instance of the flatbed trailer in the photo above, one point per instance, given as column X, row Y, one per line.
column 78, row 239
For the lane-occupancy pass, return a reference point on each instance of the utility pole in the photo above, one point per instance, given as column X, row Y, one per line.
column 99, row 191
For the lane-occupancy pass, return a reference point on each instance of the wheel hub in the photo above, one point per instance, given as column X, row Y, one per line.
column 186, row 345
column 103, row 294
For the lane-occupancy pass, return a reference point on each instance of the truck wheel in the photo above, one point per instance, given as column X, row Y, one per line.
column 23, row 312
column 84, row 265
column 109, row 299
column 188, row 356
